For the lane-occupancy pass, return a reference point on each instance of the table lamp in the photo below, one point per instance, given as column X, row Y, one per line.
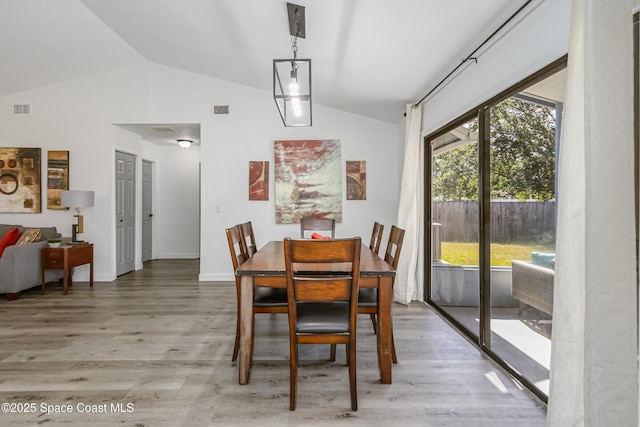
column 76, row 199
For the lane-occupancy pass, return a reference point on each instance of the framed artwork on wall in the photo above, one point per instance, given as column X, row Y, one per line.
column 20, row 180
column 258, row 180
column 308, row 180
column 356, row 180
column 57, row 177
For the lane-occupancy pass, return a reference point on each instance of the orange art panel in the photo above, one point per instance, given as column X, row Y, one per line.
column 356, row 180
column 258, row 180
column 57, row 177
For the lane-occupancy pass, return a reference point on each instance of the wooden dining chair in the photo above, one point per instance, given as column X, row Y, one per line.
column 265, row 300
column 368, row 297
column 322, row 307
column 248, row 238
column 374, row 245
column 318, row 225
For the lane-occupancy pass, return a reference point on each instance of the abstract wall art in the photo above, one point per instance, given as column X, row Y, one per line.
column 356, row 180
column 258, row 180
column 57, row 177
column 308, row 180
column 20, row 180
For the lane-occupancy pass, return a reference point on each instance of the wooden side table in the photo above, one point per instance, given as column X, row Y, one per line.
column 66, row 258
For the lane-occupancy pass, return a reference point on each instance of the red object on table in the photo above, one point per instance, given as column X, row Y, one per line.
column 319, row 236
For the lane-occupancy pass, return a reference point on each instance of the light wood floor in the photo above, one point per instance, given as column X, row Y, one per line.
column 159, row 343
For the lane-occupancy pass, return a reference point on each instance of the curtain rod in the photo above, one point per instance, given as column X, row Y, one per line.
column 470, row 57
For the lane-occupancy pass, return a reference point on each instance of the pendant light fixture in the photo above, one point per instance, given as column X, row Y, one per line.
column 292, row 77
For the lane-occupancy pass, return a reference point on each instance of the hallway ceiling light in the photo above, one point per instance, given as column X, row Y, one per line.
column 292, row 77
column 185, row 143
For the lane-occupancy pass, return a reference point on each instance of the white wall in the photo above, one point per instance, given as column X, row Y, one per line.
column 76, row 116
column 175, row 199
column 539, row 37
column 79, row 115
column 536, row 38
column 178, row 202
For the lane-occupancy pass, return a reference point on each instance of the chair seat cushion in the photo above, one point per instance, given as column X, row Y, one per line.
column 323, row 317
column 269, row 297
column 367, row 297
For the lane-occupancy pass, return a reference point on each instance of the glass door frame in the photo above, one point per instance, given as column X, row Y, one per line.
column 482, row 112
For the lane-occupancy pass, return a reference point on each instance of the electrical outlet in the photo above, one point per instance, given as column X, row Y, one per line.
column 218, row 209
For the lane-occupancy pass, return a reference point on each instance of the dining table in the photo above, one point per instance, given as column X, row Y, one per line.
column 267, row 268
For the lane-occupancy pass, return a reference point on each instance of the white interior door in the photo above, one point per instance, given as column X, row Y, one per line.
column 147, row 210
column 125, row 213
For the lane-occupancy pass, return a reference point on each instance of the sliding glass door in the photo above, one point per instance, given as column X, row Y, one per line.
column 492, row 215
column 455, row 207
column 523, row 230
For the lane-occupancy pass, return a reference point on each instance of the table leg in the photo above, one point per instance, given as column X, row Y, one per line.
column 246, row 328
column 384, row 328
column 65, row 281
column 91, row 272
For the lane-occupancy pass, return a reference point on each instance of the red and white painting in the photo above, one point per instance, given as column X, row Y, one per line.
column 308, row 180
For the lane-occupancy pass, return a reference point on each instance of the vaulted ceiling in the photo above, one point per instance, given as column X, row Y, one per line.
column 369, row 57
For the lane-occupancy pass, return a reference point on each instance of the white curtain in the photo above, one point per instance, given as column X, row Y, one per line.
column 594, row 375
column 405, row 286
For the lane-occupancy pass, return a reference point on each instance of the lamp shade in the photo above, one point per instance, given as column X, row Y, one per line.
column 292, row 91
column 76, row 199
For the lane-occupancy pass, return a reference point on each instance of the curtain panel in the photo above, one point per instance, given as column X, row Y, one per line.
column 406, row 288
column 594, row 374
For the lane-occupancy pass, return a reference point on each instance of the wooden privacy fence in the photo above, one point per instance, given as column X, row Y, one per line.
column 510, row 221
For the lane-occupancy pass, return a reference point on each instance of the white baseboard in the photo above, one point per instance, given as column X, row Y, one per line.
column 216, row 278
column 192, row 255
column 84, row 277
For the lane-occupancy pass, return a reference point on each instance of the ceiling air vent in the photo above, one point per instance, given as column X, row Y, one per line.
column 220, row 109
column 22, row 109
column 161, row 130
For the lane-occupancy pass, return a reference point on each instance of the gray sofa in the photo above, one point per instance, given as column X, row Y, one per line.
column 20, row 265
column 532, row 285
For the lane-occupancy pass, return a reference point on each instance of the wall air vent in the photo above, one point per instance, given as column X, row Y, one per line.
column 220, row 109
column 161, row 130
column 22, row 109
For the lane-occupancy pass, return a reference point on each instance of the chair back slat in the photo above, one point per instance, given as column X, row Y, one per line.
column 322, row 288
column 236, row 249
column 310, row 252
column 310, row 225
column 394, row 246
column 248, row 239
column 376, row 237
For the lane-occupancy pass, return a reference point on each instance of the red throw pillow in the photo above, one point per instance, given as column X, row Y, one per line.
column 9, row 239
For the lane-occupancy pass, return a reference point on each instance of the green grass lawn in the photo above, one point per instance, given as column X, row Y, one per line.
column 456, row 253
